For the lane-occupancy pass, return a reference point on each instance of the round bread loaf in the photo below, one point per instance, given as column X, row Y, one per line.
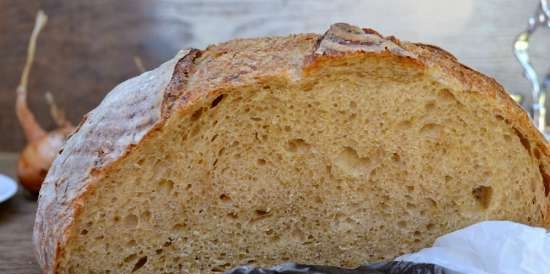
column 331, row 149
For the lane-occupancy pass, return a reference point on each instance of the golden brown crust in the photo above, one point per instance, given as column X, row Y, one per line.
column 100, row 140
column 180, row 77
column 474, row 81
column 448, row 67
column 138, row 107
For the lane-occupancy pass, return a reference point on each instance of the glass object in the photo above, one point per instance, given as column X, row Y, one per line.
column 537, row 110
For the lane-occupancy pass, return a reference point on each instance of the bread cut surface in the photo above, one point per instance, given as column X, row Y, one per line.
column 336, row 149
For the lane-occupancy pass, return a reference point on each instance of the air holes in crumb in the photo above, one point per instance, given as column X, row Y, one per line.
column 221, row 267
column 318, row 199
column 446, row 95
column 195, row 130
column 448, row 178
column 350, row 162
column 216, row 101
column 131, row 243
column 130, row 258
column 507, row 138
column 261, row 212
column 499, row 117
column 431, row 202
column 261, row 162
column 395, row 157
column 131, row 221
column 224, row 197
column 298, row 145
column 140, row 263
column 430, row 226
column 196, row 115
column 404, row 124
column 140, row 162
column 298, row 233
column 84, row 232
column 430, row 129
column 402, row 224
column 483, row 195
column 308, row 86
column 178, row 226
column 166, row 186
column 429, row 105
column 288, row 128
column 146, row 215
column 352, row 104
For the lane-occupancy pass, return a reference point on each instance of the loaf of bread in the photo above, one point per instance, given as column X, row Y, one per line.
column 332, row 149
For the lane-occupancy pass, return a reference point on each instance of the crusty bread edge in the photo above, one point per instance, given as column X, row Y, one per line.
column 56, row 212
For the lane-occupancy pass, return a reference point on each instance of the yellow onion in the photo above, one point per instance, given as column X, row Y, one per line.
column 42, row 147
column 37, row 157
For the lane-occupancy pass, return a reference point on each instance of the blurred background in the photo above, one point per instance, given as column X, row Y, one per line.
column 88, row 47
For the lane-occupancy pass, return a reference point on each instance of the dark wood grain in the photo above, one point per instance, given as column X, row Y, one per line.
column 16, row 221
column 86, row 48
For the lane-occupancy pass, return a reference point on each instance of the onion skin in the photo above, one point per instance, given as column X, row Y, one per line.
column 42, row 147
column 37, row 157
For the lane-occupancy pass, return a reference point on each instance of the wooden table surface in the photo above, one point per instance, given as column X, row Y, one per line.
column 16, row 221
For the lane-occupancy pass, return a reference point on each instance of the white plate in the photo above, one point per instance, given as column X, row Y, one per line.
column 8, row 188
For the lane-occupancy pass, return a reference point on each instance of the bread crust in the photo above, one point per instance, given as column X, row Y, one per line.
column 145, row 103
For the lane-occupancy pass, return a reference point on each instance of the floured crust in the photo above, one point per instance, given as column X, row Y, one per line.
column 139, row 106
column 100, row 139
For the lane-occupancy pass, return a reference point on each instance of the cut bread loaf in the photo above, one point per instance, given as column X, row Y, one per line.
column 335, row 149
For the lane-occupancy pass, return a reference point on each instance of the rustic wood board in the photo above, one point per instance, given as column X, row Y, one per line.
column 16, row 221
column 88, row 46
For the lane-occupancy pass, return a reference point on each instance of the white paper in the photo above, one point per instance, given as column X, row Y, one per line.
column 490, row 247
